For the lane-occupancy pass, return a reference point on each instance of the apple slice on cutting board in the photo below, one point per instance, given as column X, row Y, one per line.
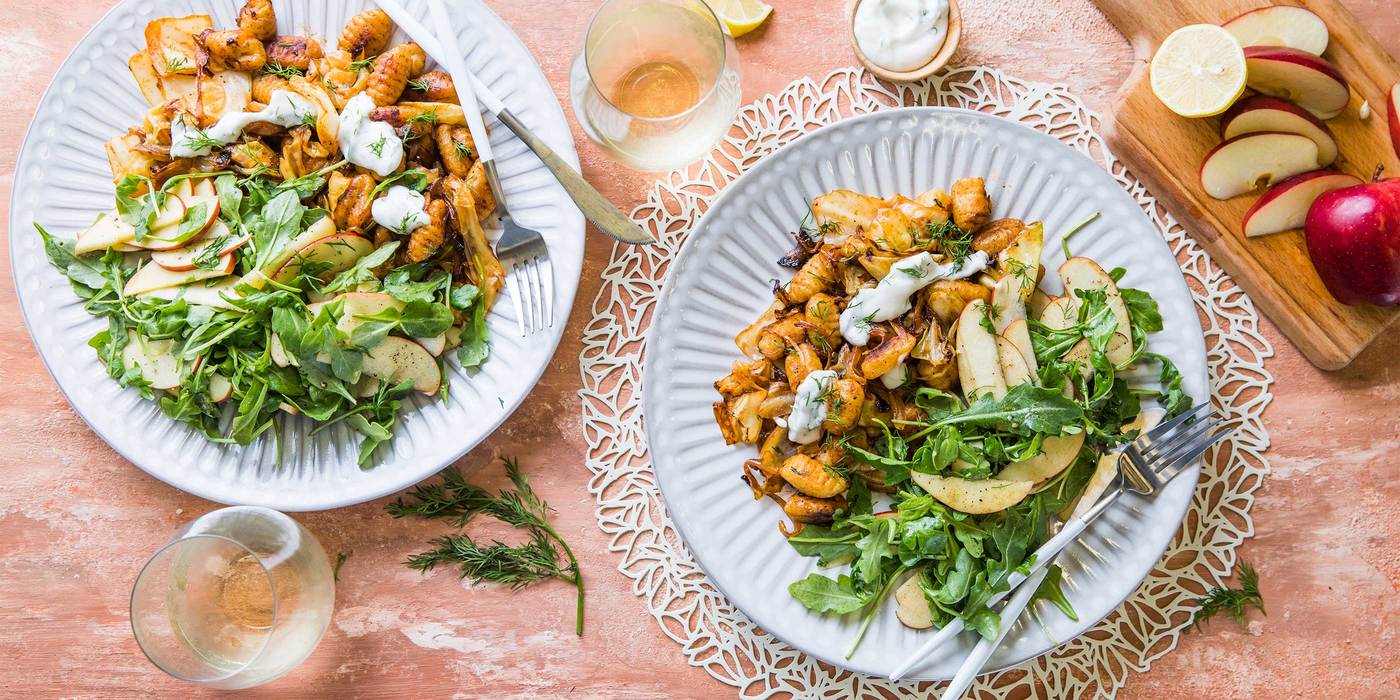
column 1246, row 163
column 1393, row 117
column 1285, row 206
column 1310, row 81
column 1260, row 113
column 1281, row 25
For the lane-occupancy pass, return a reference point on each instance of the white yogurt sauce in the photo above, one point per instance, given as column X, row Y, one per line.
column 889, row 298
column 804, row 424
column 284, row 108
column 897, row 376
column 369, row 144
column 901, row 35
column 400, row 210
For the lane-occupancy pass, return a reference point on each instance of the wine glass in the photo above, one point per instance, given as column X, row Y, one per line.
column 237, row 598
column 656, row 83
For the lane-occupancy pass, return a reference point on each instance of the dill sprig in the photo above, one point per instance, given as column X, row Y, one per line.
column 1232, row 600
column 545, row 556
column 277, row 69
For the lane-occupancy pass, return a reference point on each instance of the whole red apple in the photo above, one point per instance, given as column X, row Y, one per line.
column 1353, row 239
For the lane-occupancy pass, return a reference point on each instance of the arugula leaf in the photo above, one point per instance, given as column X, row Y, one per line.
column 360, row 277
column 1050, row 589
column 829, row 545
column 821, row 594
column 425, row 319
column 475, row 345
column 1024, row 409
column 1143, row 311
column 464, row 296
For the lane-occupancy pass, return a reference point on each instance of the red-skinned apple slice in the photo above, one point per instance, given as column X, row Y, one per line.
column 170, row 213
column 153, row 276
column 182, row 231
column 1394, row 117
column 183, row 258
column 1307, row 80
column 1280, row 25
column 1248, row 162
column 1263, row 113
column 1285, row 206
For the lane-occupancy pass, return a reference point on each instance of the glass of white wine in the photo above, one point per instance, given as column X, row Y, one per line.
column 237, row 598
column 656, row 83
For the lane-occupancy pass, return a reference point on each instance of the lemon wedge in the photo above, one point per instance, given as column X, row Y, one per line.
column 1199, row 70
column 740, row 17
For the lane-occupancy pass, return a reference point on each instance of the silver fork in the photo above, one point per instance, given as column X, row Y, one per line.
column 1144, row 467
column 521, row 250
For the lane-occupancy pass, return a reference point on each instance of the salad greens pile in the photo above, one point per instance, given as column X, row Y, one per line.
column 233, row 340
column 963, row 560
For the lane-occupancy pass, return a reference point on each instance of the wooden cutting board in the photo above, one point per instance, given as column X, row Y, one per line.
column 1165, row 151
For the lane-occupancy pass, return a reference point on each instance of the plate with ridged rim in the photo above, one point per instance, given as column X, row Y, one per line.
column 721, row 280
column 62, row 182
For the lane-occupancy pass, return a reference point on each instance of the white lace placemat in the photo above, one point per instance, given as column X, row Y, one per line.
column 719, row 638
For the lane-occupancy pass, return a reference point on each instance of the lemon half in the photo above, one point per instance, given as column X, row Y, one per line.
column 1199, row 71
column 740, row 17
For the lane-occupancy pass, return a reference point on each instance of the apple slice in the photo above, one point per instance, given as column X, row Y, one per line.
column 210, row 293
column 1285, row 206
column 1010, row 322
column 201, row 211
column 911, row 605
column 1393, row 103
column 1056, row 453
column 330, row 255
column 1083, row 273
column 220, row 388
column 1310, row 81
column 1013, row 364
column 153, row 276
column 354, row 304
column 977, row 497
column 1263, row 113
column 1245, row 163
column 979, row 364
column 183, row 258
column 1280, row 25
column 397, row 359
column 434, row 345
column 108, row 231
column 154, row 358
column 171, row 211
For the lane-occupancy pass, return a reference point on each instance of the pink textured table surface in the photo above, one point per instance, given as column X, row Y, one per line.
column 77, row 521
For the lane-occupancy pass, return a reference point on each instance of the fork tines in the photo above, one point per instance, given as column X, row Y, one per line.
column 532, row 292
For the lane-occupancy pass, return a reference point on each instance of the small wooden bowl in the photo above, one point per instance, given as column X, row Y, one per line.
column 940, row 59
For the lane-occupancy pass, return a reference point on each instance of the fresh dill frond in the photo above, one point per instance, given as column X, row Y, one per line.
column 1235, row 601
column 281, row 71
column 339, row 562
column 363, row 64
column 176, row 63
column 462, row 149
column 418, row 84
column 544, row 556
column 378, row 146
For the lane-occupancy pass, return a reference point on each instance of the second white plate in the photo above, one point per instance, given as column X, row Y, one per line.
column 722, row 279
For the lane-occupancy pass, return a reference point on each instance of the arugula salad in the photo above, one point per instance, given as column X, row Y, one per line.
column 923, row 410
column 278, row 311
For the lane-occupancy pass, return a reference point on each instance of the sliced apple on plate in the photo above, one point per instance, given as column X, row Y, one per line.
column 911, row 605
column 1022, row 259
column 152, row 276
column 155, row 358
column 1083, row 273
column 398, row 359
column 1056, row 453
column 220, row 388
column 1310, row 81
column 979, row 363
column 1285, row 206
column 329, row 255
column 108, row 231
column 200, row 209
column 212, row 293
column 1246, row 163
column 1011, row 321
column 184, row 257
column 354, row 305
column 1281, row 25
column 1260, row 113
column 1014, row 369
column 434, row 345
column 976, row 497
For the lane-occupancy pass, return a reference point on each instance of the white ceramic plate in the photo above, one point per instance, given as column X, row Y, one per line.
column 721, row 281
column 62, row 182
